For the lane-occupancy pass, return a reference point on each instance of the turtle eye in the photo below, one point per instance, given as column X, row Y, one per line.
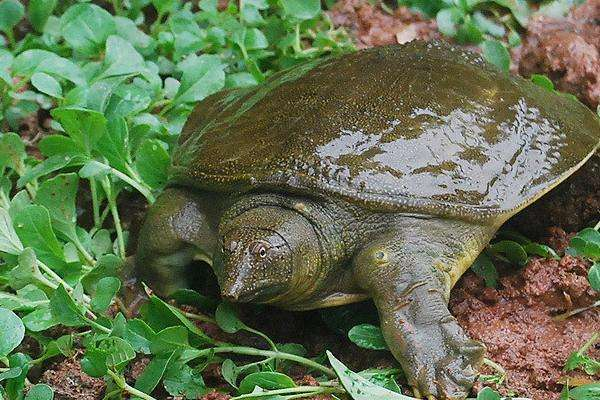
column 260, row 249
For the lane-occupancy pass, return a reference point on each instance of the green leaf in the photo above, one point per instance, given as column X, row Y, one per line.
column 519, row 8
column 64, row 310
column 590, row 391
column 26, row 272
column 118, row 351
column 543, row 81
column 58, row 196
column 11, row 12
column 10, row 373
column 495, row 53
column 160, row 315
column 46, row 84
column 101, row 243
column 586, row 244
column 39, row 11
column 201, row 77
column 49, row 165
column 484, row 267
column 153, row 373
column 448, row 19
column 227, row 319
column 94, row 168
column 139, row 335
column 513, row 251
column 360, row 388
column 541, row 250
column 12, row 151
column 107, row 265
column 32, row 225
column 301, row 9
column 181, row 380
column 106, row 289
column 266, row 381
column 39, row 320
column 488, row 25
column 121, row 59
column 86, row 27
column 12, row 332
column 367, row 336
column 594, row 276
column 152, row 163
column 488, row 394
column 31, row 61
column 84, row 126
column 169, row 339
column 164, row 6
column 93, row 363
column 129, row 31
column 230, row 372
column 9, row 241
column 40, row 391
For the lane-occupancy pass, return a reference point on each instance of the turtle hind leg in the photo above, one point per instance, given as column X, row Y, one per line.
column 178, row 227
column 408, row 274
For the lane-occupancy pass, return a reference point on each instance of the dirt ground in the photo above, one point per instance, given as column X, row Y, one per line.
column 515, row 321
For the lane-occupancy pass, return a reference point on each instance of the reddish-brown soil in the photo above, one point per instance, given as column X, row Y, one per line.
column 515, row 322
column 71, row 383
column 567, row 50
column 372, row 26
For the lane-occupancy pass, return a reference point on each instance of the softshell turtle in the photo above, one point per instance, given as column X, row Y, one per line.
column 379, row 174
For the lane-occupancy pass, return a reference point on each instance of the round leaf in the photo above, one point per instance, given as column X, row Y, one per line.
column 46, row 84
column 265, row 380
column 11, row 12
column 594, row 276
column 85, row 27
column 301, row 9
column 12, row 332
column 40, row 392
column 495, row 53
column 227, row 319
column 367, row 336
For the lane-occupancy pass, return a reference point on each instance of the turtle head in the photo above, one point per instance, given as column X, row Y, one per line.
column 267, row 253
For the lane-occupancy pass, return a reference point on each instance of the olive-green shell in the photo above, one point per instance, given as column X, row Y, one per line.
column 420, row 127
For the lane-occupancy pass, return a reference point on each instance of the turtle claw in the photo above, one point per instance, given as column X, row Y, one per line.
column 442, row 362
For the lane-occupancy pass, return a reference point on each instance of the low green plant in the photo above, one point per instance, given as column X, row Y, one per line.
column 494, row 25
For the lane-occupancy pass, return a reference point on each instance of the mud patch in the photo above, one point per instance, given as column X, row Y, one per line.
column 71, row 383
column 517, row 326
column 567, row 50
column 373, row 26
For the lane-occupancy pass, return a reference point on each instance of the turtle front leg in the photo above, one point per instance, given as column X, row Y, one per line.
column 178, row 227
column 406, row 273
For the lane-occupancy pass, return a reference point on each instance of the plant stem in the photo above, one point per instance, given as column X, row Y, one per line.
column 199, row 317
column 597, row 227
column 593, row 339
column 496, row 367
column 304, row 390
column 262, row 335
column 129, row 389
column 60, row 280
column 117, row 7
column 115, row 214
column 95, row 203
column 88, row 258
column 139, row 186
column 251, row 351
column 11, row 38
column 563, row 316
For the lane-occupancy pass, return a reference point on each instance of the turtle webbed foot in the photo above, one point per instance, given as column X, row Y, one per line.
column 441, row 361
